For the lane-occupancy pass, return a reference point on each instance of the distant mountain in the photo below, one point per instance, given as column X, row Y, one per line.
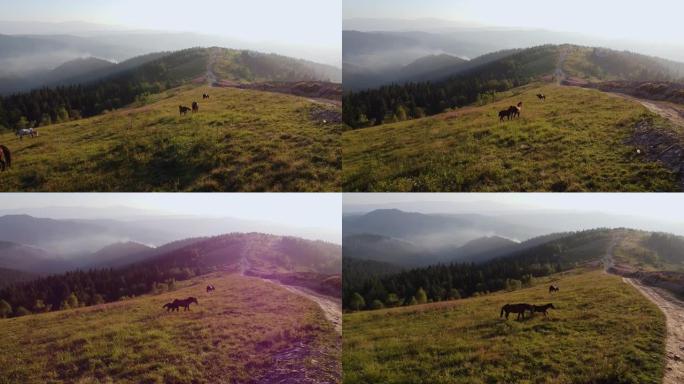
column 429, row 64
column 385, row 250
column 30, row 259
column 484, row 248
column 79, row 67
column 119, row 254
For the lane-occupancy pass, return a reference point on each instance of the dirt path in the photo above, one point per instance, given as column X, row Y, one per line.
column 332, row 308
column 670, row 111
column 673, row 309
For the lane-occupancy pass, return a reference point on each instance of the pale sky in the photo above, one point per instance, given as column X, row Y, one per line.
column 655, row 21
column 657, row 206
column 302, row 210
column 293, row 22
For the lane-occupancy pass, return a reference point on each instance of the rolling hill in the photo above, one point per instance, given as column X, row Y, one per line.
column 465, row 341
column 578, row 140
column 119, row 254
column 247, row 331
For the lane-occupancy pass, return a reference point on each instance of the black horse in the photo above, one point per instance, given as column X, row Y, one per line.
column 205, row 96
column 195, row 107
column 183, row 109
column 553, row 288
column 503, row 114
column 541, row 96
column 210, row 288
column 542, row 308
column 185, row 303
column 5, row 158
column 516, row 308
column 170, row 306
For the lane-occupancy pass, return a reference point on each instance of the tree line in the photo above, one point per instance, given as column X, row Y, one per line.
column 461, row 280
column 394, row 103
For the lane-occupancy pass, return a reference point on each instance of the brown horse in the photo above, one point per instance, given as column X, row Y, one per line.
column 541, row 96
column 183, row 109
column 195, row 107
column 210, row 288
column 5, row 158
column 205, row 96
column 185, row 303
column 504, row 113
column 516, row 308
column 542, row 308
column 553, row 288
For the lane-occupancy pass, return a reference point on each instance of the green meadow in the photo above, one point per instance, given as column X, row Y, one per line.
column 602, row 331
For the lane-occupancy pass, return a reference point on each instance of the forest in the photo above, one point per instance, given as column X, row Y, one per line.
column 394, row 103
column 461, row 280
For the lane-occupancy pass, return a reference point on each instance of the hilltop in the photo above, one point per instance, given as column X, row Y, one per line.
column 248, row 330
column 578, row 140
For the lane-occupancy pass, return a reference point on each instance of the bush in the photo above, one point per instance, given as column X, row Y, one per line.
column 357, row 302
column 377, row 304
column 421, row 296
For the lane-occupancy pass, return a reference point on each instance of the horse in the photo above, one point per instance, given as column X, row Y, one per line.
column 210, row 288
column 553, row 288
column 195, row 107
column 183, row 109
column 205, row 96
column 516, row 308
column 5, row 158
column 185, row 303
column 515, row 110
column 541, row 96
column 26, row 132
column 542, row 308
column 503, row 114
column 171, row 306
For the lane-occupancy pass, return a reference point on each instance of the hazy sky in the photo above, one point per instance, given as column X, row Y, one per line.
column 657, row 206
column 657, row 21
column 302, row 210
column 292, row 22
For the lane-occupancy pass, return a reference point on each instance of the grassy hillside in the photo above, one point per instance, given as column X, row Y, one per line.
column 575, row 141
column 464, row 341
column 235, row 334
column 240, row 140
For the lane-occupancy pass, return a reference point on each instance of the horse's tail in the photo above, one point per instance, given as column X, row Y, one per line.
column 7, row 155
column 502, row 311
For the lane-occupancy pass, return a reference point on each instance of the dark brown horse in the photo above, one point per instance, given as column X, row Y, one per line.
column 542, row 308
column 516, row 308
column 195, row 107
column 553, row 288
column 210, row 288
column 185, row 303
column 5, row 158
column 205, row 96
column 183, row 109
column 515, row 110
column 503, row 114
column 541, row 96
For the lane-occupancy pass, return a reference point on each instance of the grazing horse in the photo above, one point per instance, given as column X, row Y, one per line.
column 171, row 306
column 205, row 96
column 5, row 158
column 542, row 308
column 183, row 109
column 516, row 308
column 553, row 288
column 210, row 288
column 195, row 107
column 185, row 303
column 26, row 132
column 541, row 96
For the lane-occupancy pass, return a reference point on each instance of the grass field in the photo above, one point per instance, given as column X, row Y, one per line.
column 603, row 331
column 240, row 140
column 234, row 335
column 575, row 141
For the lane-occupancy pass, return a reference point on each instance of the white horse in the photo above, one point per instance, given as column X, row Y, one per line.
column 26, row 132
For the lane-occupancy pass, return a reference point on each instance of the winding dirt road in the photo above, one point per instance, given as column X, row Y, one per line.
column 673, row 309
